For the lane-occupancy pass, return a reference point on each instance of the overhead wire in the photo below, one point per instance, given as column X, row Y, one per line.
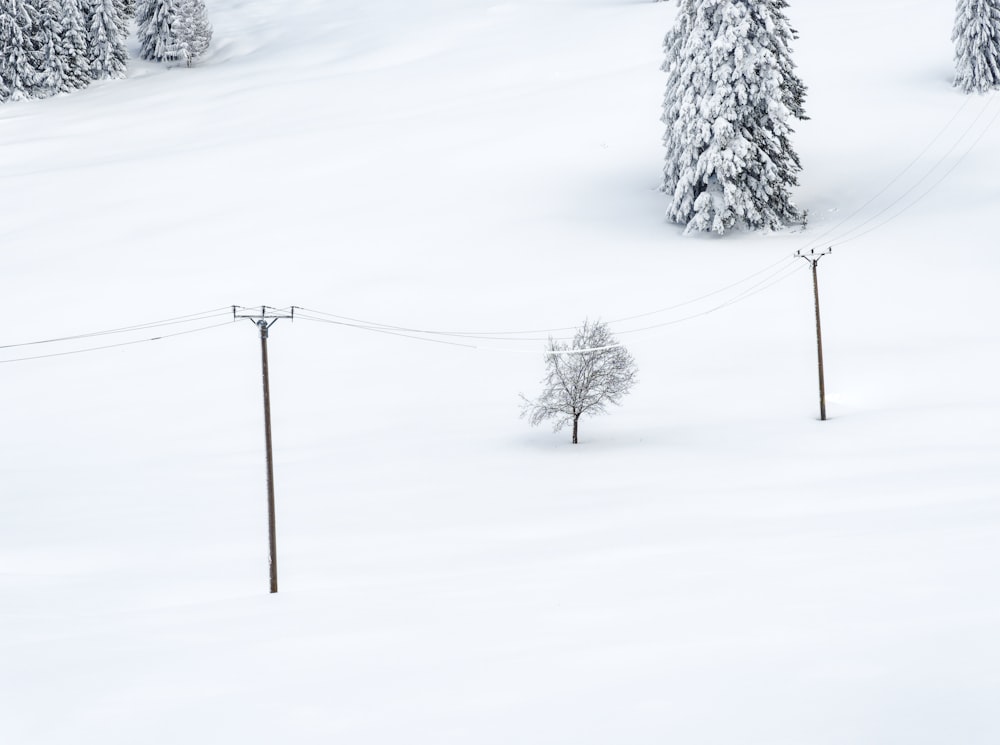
column 927, row 191
column 767, row 282
column 310, row 316
column 112, row 346
column 522, row 334
column 783, row 270
column 844, row 237
column 190, row 318
column 817, row 240
column 460, row 337
column 848, row 235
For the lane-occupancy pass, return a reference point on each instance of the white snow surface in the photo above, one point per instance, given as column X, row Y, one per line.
column 712, row 565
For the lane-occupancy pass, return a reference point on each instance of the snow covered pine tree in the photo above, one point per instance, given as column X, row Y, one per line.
column 106, row 39
column 45, row 41
column 192, row 31
column 731, row 91
column 977, row 45
column 73, row 44
column 152, row 20
column 61, row 47
column 67, row 64
column 18, row 61
column 173, row 30
column 581, row 378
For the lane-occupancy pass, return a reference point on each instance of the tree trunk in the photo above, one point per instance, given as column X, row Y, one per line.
column 576, row 421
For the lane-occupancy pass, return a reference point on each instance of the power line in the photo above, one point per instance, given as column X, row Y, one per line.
column 707, row 295
column 309, row 316
column 846, row 236
column 112, row 346
column 764, row 284
column 457, row 338
column 927, row 191
column 821, row 238
column 522, row 334
column 190, row 318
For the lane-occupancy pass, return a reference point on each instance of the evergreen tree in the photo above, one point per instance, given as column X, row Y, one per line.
column 192, row 31
column 153, row 19
column 107, row 53
column 61, row 47
column 977, row 45
column 18, row 67
column 46, row 35
column 73, row 43
column 172, row 29
column 731, row 92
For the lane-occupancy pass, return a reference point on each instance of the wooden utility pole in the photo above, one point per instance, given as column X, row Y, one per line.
column 813, row 258
column 266, row 318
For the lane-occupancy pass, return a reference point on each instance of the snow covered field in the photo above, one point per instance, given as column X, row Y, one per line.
column 712, row 565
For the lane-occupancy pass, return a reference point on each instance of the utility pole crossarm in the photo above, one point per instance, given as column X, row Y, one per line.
column 265, row 315
column 814, row 256
column 264, row 319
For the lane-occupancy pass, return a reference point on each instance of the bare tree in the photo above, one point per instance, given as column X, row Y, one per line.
column 582, row 377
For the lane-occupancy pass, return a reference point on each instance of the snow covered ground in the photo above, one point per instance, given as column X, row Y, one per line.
column 711, row 565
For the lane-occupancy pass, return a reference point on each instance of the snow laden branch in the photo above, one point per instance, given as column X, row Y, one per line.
column 582, row 377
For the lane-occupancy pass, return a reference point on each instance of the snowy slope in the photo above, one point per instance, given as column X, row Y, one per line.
column 711, row 565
